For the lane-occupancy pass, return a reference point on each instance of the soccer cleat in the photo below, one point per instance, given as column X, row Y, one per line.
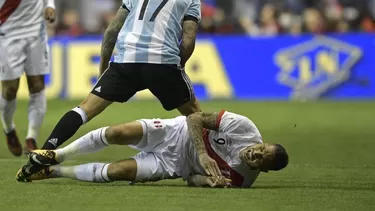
column 22, row 176
column 42, row 158
column 26, row 171
column 30, row 145
column 45, row 173
column 13, row 143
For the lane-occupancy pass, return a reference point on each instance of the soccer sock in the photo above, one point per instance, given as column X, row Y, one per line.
column 7, row 109
column 66, row 128
column 91, row 172
column 37, row 110
column 91, row 142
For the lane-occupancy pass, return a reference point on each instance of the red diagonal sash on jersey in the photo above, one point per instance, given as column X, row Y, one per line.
column 7, row 9
column 228, row 172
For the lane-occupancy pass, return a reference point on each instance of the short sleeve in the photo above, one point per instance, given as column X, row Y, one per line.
column 127, row 4
column 194, row 9
column 237, row 126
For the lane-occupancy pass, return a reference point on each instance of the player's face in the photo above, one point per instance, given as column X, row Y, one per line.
column 258, row 157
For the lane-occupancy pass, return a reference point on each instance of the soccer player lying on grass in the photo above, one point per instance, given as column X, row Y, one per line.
column 167, row 152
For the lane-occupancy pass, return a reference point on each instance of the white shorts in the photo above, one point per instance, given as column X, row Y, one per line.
column 29, row 55
column 160, row 147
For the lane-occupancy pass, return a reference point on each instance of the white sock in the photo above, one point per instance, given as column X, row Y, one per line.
column 37, row 110
column 91, row 142
column 91, row 172
column 7, row 109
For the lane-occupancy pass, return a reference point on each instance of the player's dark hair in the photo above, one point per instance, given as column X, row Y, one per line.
column 281, row 158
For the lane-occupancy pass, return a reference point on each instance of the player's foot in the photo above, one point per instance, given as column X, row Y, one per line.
column 30, row 145
column 26, row 171
column 39, row 175
column 13, row 143
column 42, row 158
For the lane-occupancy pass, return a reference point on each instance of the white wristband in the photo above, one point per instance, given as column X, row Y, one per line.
column 51, row 4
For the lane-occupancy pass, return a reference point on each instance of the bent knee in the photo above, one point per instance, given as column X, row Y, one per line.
column 125, row 134
column 119, row 135
column 123, row 170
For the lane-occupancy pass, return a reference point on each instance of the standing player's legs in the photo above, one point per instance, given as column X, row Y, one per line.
column 36, row 110
column 172, row 86
column 12, row 59
column 36, row 67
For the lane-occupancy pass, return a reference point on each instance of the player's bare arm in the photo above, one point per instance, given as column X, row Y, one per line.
column 110, row 38
column 208, row 181
column 189, row 33
column 196, row 123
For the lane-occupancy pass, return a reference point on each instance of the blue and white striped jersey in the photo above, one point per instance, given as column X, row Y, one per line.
column 153, row 29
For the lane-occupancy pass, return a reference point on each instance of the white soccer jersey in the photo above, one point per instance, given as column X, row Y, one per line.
column 22, row 18
column 153, row 29
column 167, row 151
column 235, row 133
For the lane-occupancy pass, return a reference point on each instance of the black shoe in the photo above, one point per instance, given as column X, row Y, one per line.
column 26, row 171
column 13, row 143
column 42, row 158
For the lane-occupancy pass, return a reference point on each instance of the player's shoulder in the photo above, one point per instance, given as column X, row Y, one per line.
column 236, row 123
column 225, row 116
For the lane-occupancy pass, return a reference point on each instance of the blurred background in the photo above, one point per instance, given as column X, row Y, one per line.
column 251, row 17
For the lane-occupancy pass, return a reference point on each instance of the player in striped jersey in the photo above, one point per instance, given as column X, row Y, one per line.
column 23, row 48
column 168, row 152
column 154, row 39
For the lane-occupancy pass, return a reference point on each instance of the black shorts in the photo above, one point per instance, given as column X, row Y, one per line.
column 167, row 82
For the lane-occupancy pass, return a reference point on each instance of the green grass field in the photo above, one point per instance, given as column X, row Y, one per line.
column 332, row 163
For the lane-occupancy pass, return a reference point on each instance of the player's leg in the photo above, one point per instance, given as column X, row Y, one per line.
column 150, row 135
column 111, row 87
column 11, row 68
column 172, row 86
column 36, row 67
column 145, row 135
column 141, row 168
column 125, row 170
column 36, row 110
column 7, row 108
column 125, row 134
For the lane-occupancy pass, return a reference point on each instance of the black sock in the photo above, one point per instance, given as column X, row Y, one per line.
column 65, row 128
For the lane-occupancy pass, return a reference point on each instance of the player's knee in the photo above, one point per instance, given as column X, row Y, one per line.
column 35, row 83
column 9, row 91
column 122, row 170
column 118, row 135
column 36, row 87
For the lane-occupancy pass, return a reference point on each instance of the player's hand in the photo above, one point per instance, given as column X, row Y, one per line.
column 218, row 182
column 209, row 165
column 50, row 14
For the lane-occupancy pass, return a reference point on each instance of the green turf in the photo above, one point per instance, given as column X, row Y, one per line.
column 332, row 163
